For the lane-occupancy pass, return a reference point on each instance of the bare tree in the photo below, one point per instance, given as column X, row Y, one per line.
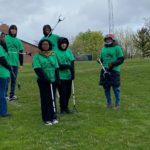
column 125, row 39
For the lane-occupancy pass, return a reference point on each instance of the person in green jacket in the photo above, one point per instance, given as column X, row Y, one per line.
column 111, row 57
column 5, row 70
column 65, row 59
column 53, row 38
column 45, row 66
column 15, row 47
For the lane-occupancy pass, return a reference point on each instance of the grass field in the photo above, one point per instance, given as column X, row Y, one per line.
column 94, row 127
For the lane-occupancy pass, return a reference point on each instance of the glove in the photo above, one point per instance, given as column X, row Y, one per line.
column 10, row 69
column 72, row 75
column 106, row 74
column 110, row 66
column 45, row 80
column 97, row 60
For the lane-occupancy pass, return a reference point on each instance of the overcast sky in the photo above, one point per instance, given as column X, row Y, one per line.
column 80, row 15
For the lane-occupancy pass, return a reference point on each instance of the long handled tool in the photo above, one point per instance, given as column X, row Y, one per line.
column 53, row 100
column 18, row 83
column 102, row 65
column 59, row 20
column 106, row 73
column 73, row 97
column 25, row 53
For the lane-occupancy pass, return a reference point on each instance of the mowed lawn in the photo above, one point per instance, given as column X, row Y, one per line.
column 93, row 127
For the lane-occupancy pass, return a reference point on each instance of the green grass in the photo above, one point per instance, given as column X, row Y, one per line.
column 94, row 127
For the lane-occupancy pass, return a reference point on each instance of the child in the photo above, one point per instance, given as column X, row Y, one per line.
column 45, row 65
column 66, row 73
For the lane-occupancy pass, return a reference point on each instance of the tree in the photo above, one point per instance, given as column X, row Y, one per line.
column 88, row 42
column 125, row 39
column 142, row 39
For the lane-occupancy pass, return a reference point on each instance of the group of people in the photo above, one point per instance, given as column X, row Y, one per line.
column 53, row 66
column 54, row 69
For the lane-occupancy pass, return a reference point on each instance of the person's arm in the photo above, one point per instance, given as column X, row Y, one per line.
column 57, row 74
column 118, row 62
column 21, row 57
column 57, row 78
column 41, row 74
column 4, row 63
column 3, row 44
column 72, row 70
column 64, row 66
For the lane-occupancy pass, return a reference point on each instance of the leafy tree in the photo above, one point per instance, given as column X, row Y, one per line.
column 88, row 42
column 142, row 39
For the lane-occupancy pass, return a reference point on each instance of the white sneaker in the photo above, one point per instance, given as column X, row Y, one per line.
column 48, row 123
column 7, row 98
column 55, row 121
column 13, row 98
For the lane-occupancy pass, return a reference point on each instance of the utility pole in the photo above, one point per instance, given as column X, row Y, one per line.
column 110, row 17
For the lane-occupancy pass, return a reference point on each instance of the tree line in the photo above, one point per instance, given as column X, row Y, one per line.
column 134, row 44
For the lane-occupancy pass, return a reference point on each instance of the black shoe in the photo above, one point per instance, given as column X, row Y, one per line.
column 12, row 98
column 5, row 115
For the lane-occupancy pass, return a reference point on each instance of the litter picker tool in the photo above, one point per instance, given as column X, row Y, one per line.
column 59, row 20
column 106, row 73
column 18, row 83
column 73, row 97
column 25, row 53
column 52, row 96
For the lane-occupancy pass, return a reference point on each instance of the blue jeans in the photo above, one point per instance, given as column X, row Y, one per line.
column 13, row 81
column 3, row 103
column 116, row 91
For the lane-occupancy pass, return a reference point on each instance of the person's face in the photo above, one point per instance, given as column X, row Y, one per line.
column 2, row 37
column 45, row 46
column 63, row 45
column 13, row 31
column 109, row 40
column 47, row 30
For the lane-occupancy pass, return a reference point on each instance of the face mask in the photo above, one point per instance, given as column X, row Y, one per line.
column 108, row 43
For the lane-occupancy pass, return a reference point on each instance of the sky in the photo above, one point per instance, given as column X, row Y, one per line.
column 80, row 15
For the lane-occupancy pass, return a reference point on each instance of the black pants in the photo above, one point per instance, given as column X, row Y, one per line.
column 12, row 81
column 47, row 108
column 64, row 89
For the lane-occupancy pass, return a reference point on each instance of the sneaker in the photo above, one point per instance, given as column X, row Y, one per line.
column 12, row 98
column 55, row 121
column 48, row 123
column 7, row 98
column 116, row 107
